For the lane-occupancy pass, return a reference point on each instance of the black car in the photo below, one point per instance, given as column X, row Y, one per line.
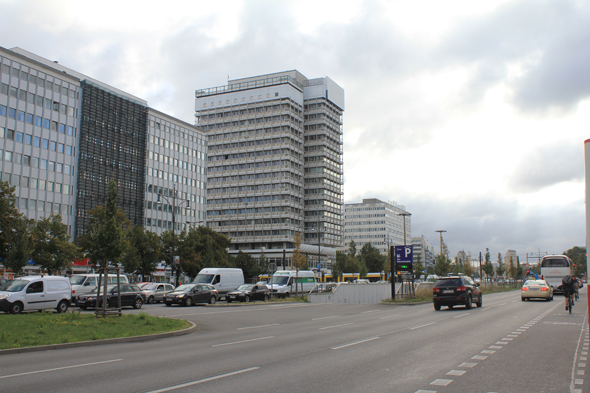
column 189, row 294
column 131, row 296
column 456, row 291
column 247, row 292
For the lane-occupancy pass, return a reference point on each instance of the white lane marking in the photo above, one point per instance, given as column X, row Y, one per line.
column 421, row 326
column 462, row 315
column 319, row 319
column 391, row 316
column 335, row 326
column 456, row 373
column 488, row 351
column 580, row 365
column 256, row 327
column 356, row 342
column 441, row 382
column 470, row 365
column 479, row 357
column 203, row 380
column 60, row 368
column 242, row 341
column 365, row 312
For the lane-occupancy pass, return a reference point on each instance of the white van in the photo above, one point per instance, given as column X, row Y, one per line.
column 36, row 293
column 85, row 283
column 283, row 282
column 223, row 279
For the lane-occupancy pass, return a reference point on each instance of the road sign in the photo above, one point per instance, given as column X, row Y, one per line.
column 404, row 254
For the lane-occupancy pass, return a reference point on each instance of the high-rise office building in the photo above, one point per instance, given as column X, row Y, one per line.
column 376, row 222
column 64, row 136
column 275, row 163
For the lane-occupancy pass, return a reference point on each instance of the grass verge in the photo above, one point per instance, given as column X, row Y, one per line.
column 30, row 330
column 425, row 294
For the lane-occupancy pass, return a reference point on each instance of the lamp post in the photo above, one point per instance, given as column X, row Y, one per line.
column 174, row 206
column 319, row 230
column 404, row 215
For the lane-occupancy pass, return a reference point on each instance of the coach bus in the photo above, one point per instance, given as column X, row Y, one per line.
column 554, row 268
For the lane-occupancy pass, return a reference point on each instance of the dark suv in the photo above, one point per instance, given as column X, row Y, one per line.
column 456, row 290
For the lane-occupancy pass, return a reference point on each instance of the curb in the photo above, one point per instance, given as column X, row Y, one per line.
column 120, row 340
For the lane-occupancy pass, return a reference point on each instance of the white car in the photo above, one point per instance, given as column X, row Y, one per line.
column 155, row 292
column 32, row 293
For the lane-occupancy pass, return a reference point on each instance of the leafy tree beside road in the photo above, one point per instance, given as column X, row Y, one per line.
column 52, row 249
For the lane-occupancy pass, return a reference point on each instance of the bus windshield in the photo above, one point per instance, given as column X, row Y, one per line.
column 555, row 262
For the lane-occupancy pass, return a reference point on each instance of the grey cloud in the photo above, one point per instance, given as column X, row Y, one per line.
column 548, row 166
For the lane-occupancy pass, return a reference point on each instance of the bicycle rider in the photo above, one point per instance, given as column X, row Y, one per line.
column 567, row 285
column 576, row 287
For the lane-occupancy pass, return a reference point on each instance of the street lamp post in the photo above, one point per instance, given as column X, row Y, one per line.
column 319, row 230
column 174, row 206
column 404, row 215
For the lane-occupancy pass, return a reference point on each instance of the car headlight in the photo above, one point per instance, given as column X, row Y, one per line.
column 183, row 295
column 4, row 296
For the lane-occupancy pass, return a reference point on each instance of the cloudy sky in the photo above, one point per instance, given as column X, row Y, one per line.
column 471, row 114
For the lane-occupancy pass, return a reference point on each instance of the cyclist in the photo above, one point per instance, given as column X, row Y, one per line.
column 567, row 285
column 576, row 287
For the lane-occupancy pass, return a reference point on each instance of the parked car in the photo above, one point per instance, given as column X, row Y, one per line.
column 538, row 289
column 32, row 293
column 189, row 294
column 155, row 292
column 87, row 282
column 131, row 296
column 457, row 290
column 248, row 292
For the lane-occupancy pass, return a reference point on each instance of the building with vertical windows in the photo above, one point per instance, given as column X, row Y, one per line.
column 423, row 251
column 376, row 222
column 65, row 136
column 275, row 164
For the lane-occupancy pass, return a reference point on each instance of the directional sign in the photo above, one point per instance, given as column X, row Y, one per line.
column 404, row 254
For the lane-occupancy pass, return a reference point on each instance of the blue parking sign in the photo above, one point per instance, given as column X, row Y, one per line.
column 404, row 254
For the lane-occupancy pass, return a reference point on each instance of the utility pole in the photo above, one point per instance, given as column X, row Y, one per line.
column 440, row 231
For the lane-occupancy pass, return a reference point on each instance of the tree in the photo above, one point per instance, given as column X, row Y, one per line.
column 500, row 269
column 442, row 265
column 338, row 266
column 105, row 240
column 21, row 245
column 468, row 270
column 248, row 264
column 488, row 267
column 299, row 260
column 512, row 271
column 9, row 219
column 52, row 249
column 144, row 252
column 578, row 257
column 352, row 264
column 372, row 258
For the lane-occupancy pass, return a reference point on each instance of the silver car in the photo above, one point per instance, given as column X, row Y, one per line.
column 155, row 292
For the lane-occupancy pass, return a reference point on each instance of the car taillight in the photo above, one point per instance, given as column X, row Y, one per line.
column 461, row 289
column 543, row 289
column 436, row 290
column 525, row 289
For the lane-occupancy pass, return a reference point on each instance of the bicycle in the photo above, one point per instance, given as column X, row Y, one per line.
column 570, row 303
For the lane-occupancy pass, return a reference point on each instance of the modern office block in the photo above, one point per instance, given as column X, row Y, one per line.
column 275, row 163
column 64, row 136
column 376, row 222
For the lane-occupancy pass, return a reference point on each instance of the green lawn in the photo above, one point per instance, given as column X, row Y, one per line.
column 29, row 330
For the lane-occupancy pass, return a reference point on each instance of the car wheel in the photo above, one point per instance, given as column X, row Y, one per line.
column 469, row 303
column 62, row 307
column 247, row 300
column 523, row 299
column 265, row 297
column 480, row 302
column 548, row 299
column 138, row 303
column 16, row 308
column 168, row 304
column 83, row 307
column 451, row 307
column 229, row 301
column 212, row 299
column 151, row 300
column 188, row 302
column 437, row 306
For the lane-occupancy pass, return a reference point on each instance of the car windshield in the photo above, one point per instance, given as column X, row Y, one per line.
column 184, row 287
column 244, row 287
column 149, row 286
column 279, row 280
column 77, row 280
column 15, row 285
column 204, row 278
column 449, row 282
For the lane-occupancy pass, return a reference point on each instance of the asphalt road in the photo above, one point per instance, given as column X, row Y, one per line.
column 505, row 346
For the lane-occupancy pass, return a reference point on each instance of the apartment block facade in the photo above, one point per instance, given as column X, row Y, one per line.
column 275, row 164
column 376, row 222
column 64, row 136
